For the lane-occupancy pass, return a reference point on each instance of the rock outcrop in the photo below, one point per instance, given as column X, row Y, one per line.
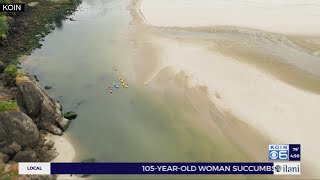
column 39, row 105
column 25, row 156
column 22, row 129
column 4, row 158
column 17, row 127
column 5, row 94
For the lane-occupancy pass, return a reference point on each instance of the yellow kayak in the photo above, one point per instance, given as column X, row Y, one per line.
column 125, row 85
column 121, row 80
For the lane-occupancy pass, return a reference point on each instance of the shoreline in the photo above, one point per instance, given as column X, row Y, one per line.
column 66, row 150
column 26, row 31
column 282, row 103
column 30, row 114
column 64, row 147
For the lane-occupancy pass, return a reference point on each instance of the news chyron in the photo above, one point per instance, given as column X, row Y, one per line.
column 286, row 158
column 13, row 7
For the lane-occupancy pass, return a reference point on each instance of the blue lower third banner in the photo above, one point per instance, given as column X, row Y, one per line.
column 146, row 168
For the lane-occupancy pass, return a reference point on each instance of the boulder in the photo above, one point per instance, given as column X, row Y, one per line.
column 32, row 95
column 50, row 114
column 54, row 130
column 39, row 104
column 58, row 112
column 2, row 137
column 49, row 144
column 19, row 128
column 19, row 97
column 7, row 151
column 58, row 105
column 46, row 155
column 22, row 109
column 4, row 158
column 15, row 147
column 36, row 78
column 48, row 87
column 70, row 115
column 64, row 123
column 50, row 128
column 5, row 94
column 25, row 156
column 41, row 142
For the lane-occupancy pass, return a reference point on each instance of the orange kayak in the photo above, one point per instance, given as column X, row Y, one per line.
column 125, row 85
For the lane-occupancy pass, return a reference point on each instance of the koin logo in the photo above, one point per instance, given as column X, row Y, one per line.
column 278, row 152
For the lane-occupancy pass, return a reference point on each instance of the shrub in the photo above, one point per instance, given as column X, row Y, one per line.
column 3, row 26
column 11, row 72
column 8, row 105
column 3, row 20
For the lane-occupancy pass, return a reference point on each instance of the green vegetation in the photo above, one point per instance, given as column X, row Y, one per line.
column 11, row 72
column 3, row 25
column 5, row 1
column 46, row 15
column 8, row 105
column 3, row 21
column 70, row 115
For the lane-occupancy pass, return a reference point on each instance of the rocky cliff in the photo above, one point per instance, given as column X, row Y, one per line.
column 23, row 129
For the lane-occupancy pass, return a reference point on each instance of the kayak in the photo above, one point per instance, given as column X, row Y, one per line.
column 110, row 90
column 121, row 80
column 116, row 85
column 125, row 85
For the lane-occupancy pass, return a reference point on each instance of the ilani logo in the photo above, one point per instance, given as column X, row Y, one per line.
column 287, row 168
column 278, row 152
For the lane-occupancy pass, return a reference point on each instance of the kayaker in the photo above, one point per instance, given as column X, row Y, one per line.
column 110, row 89
column 116, row 85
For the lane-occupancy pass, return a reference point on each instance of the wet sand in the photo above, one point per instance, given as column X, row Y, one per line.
column 247, row 86
column 281, row 16
column 65, row 149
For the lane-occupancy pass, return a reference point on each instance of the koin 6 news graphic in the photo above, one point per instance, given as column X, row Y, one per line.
column 284, row 152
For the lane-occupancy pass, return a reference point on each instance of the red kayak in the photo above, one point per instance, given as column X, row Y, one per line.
column 110, row 89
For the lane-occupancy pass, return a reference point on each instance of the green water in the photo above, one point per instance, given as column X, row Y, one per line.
column 134, row 124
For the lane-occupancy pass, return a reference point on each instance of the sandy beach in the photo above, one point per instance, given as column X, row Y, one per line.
column 282, row 16
column 65, row 149
column 282, row 111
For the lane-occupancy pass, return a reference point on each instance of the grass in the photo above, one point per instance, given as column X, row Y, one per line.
column 3, row 21
column 3, row 25
column 8, row 105
column 11, row 72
